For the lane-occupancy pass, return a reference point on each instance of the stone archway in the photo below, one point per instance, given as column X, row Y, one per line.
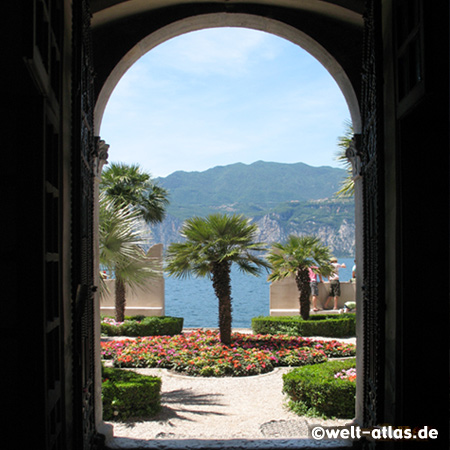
column 402, row 138
column 259, row 23
column 216, row 20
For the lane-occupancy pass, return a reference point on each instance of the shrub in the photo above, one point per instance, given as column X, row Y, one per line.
column 143, row 326
column 127, row 394
column 316, row 389
column 326, row 325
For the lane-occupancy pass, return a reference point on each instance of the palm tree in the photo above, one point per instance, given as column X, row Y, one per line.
column 120, row 241
column 296, row 257
column 211, row 245
column 348, row 186
column 128, row 196
column 129, row 185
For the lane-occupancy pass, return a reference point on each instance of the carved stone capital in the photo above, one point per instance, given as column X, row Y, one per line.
column 101, row 157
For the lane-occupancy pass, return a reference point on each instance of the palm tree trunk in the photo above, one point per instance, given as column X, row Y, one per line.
column 304, row 289
column 222, row 287
column 120, row 300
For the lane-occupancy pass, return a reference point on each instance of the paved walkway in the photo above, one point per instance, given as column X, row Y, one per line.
column 216, row 409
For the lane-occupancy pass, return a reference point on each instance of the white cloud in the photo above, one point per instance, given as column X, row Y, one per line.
column 218, row 51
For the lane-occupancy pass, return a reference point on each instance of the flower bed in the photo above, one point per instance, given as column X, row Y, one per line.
column 200, row 353
column 349, row 374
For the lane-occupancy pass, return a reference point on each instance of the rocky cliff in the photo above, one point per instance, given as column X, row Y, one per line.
column 272, row 227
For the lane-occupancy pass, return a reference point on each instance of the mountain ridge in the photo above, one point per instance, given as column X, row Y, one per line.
column 261, row 183
column 280, row 198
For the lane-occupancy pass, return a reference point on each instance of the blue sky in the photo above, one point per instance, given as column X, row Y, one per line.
column 221, row 96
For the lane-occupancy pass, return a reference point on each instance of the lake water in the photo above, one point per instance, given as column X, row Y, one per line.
column 194, row 298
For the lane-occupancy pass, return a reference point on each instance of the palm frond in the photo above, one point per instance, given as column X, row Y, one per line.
column 215, row 238
column 129, row 186
column 347, row 186
column 297, row 253
column 120, row 244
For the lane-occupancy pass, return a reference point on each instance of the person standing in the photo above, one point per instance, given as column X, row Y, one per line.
column 335, row 285
column 354, row 271
column 313, row 276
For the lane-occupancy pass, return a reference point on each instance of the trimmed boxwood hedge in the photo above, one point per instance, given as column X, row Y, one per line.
column 326, row 325
column 128, row 394
column 136, row 326
column 314, row 388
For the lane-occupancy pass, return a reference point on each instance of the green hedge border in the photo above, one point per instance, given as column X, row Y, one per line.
column 137, row 326
column 128, row 394
column 326, row 325
column 314, row 389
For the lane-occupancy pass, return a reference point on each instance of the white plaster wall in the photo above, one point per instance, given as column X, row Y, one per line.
column 148, row 300
column 284, row 296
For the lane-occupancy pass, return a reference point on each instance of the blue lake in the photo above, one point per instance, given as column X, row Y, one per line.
column 194, row 299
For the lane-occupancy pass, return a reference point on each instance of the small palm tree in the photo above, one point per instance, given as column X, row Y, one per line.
column 120, row 240
column 211, row 245
column 296, row 257
column 129, row 185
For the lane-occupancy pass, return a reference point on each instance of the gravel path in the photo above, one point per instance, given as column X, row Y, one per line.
column 218, row 408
